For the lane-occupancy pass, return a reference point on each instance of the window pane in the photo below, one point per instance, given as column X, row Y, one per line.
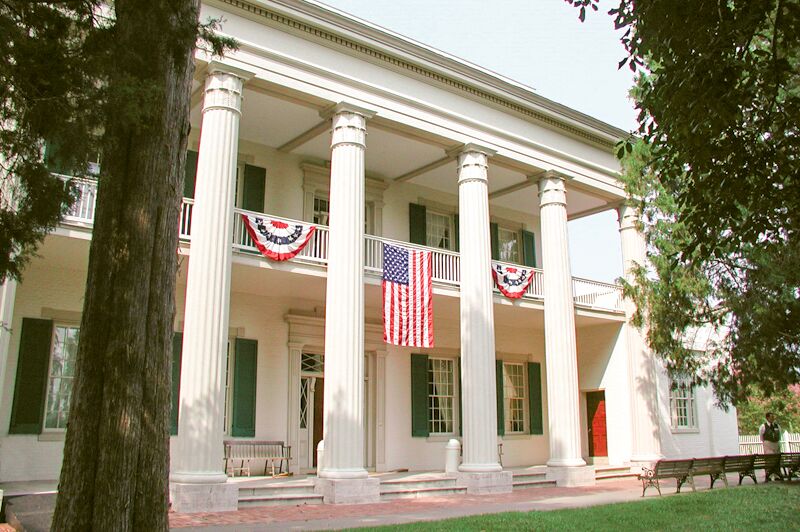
column 441, row 390
column 322, row 209
column 515, row 397
column 62, row 370
column 438, row 230
column 508, row 242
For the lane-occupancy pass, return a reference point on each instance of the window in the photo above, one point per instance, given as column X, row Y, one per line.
column 508, row 243
column 441, row 395
column 515, row 395
column 63, row 357
column 322, row 209
column 683, row 405
column 439, row 230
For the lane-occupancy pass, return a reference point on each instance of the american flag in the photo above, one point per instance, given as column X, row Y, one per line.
column 407, row 297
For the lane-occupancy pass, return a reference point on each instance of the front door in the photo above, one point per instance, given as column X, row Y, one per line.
column 596, row 418
column 319, row 394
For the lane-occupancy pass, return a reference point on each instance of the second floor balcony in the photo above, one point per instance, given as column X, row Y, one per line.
column 446, row 264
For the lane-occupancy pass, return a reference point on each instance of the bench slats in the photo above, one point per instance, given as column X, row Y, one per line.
column 246, row 450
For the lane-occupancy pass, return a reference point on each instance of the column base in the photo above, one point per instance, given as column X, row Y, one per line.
column 348, row 490
column 643, row 460
column 194, row 498
column 569, row 477
column 487, row 482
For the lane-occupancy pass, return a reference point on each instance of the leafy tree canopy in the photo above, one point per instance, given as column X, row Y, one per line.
column 715, row 169
column 784, row 403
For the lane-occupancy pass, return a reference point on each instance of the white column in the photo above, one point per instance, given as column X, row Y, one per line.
column 8, row 292
column 478, row 383
column 198, row 454
column 344, row 316
column 641, row 371
column 563, row 409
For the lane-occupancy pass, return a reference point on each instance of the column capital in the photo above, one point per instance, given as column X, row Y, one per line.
column 628, row 216
column 473, row 162
column 345, row 107
column 552, row 189
column 224, row 84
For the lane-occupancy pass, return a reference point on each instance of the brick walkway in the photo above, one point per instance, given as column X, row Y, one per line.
column 325, row 516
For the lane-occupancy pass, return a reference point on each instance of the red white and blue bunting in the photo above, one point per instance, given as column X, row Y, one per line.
column 276, row 239
column 512, row 281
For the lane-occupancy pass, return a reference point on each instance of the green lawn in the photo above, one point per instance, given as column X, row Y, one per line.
column 774, row 507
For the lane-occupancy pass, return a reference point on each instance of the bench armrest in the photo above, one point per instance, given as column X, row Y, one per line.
column 647, row 472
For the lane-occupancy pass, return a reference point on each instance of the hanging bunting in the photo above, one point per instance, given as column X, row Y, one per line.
column 276, row 239
column 512, row 281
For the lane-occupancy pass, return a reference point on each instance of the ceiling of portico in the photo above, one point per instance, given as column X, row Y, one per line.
column 275, row 118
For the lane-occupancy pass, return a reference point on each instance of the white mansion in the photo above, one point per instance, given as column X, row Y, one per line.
column 324, row 118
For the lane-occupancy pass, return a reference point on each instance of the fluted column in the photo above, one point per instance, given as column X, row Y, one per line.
column 646, row 446
column 477, row 315
column 559, row 326
column 344, row 316
column 8, row 292
column 198, row 457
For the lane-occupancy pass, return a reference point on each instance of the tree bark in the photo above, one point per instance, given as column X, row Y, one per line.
column 116, row 455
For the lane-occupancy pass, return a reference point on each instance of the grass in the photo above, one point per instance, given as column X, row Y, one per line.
column 775, row 507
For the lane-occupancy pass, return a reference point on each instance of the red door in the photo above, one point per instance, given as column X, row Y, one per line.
column 596, row 417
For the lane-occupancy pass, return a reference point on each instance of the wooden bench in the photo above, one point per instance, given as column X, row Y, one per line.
column 714, row 467
column 245, row 451
column 680, row 470
column 770, row 463
column 790, row 462
column 742, row 464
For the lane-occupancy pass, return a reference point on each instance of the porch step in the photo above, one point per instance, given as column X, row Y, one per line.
column 412, row 488
column 613, row 472
column 531, row 478
column 290, row 493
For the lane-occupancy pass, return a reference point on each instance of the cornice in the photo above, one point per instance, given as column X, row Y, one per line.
column 339, row 30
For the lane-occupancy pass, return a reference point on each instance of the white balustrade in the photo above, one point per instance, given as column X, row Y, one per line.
column 446, row 264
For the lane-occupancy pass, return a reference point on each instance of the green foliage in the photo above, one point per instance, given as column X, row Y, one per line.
column 55, row 63
column 716, row 173
column 745, row 508
column 785, row 404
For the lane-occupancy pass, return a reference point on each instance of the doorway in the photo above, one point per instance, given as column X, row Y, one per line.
column 319, row 394
column 596, row 421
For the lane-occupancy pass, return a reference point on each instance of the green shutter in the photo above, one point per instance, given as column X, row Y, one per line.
column 244, row 388
column 535, row 397
column 501, row 417
column 417, row 221
column 460, row 401
column 190, row 173
column 456, row 237
column 528, row 249
column 419, row 396
column 494, row 235
column 30, row 388
column 175, row 398
column 255, row 179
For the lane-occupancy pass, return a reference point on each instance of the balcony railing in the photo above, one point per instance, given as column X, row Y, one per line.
column 446, row 264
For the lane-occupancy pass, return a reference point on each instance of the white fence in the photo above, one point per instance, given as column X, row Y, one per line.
column 446, row 264
column 751, row 443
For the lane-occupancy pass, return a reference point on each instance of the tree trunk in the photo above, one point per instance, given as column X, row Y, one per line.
column 116, row 456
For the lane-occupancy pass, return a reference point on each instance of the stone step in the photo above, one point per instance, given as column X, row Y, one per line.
column 405, row 493
column 280, row 500
column 615, row 475
column 526, row 477
column 413, row 484
column 277, row 490
column 525, row 484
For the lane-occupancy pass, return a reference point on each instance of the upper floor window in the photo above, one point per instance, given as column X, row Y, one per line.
column 439, row 230
column 515, row 398
column 63, row 357
column 508, row 245
column 322, row 209
column 683, row 405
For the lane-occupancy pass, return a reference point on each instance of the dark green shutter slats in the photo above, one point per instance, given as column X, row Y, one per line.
column 419, row 396
column 175, row 398
column 255, row 179
column 535, row 397
column 528, row 249
column 417, row 233
column 30, row 388
column 494, row 235
column 456, row 237
column 460, row 401
column 190, row 173
column 501, row 421
column 244, row 388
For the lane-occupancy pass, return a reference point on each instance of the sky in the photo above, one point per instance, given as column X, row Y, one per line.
column 541, row 44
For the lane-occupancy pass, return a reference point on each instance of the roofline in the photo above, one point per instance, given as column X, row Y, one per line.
column 372, row 36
